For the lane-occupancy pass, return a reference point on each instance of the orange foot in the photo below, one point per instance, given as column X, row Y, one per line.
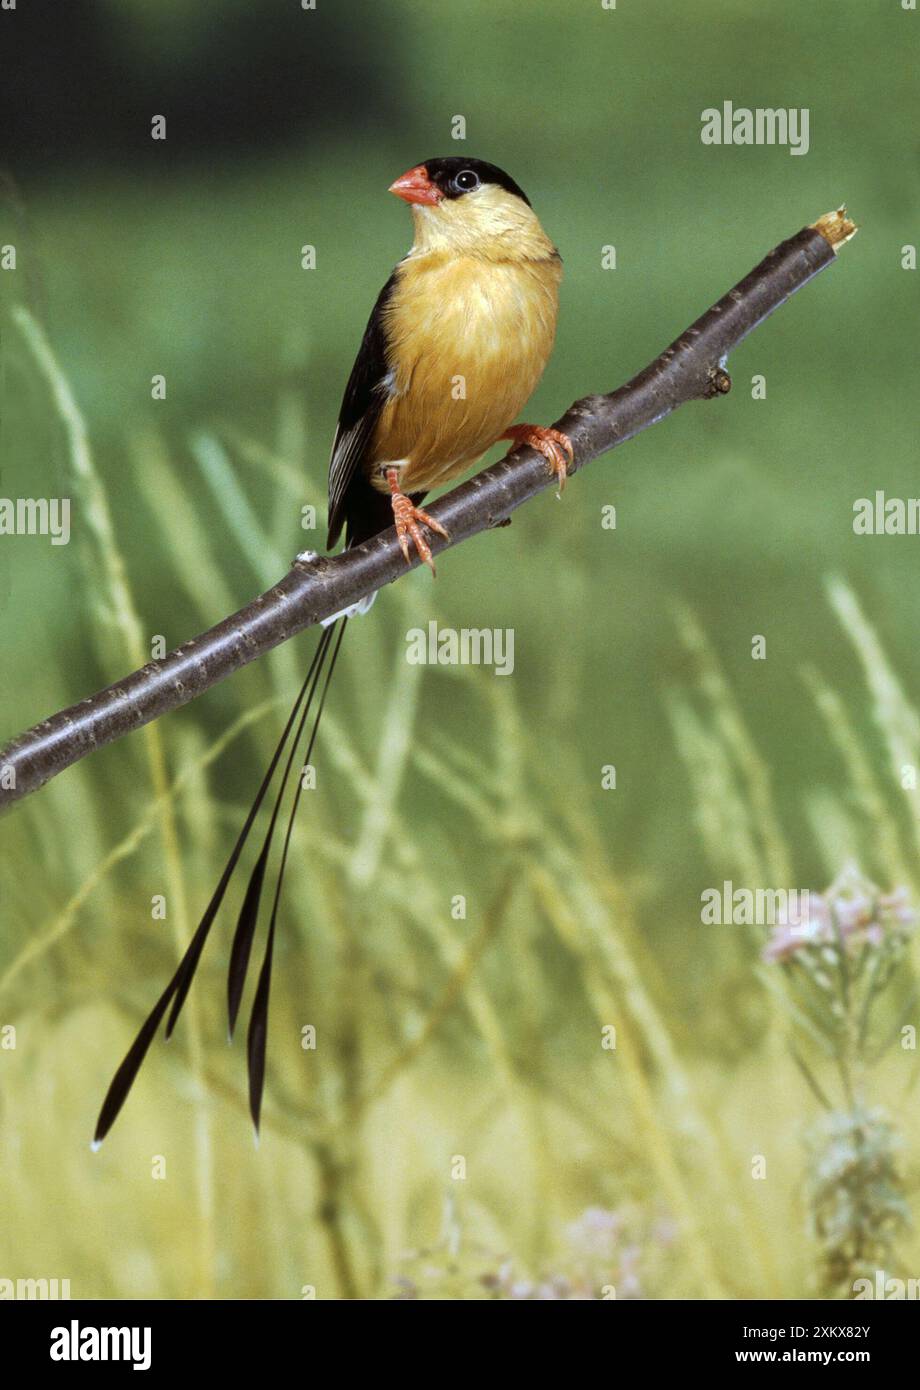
column 555, row 447
column 407, row 517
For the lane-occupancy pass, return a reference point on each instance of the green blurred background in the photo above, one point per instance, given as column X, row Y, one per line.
column 438, row 1037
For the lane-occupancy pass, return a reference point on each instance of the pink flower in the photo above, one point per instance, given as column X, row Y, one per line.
column 813, row 927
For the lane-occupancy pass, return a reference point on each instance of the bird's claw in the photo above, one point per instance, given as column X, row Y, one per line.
column 408, row 517
column 555, row 447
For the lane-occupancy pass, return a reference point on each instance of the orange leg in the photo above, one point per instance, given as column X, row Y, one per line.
column 555, row 446
column 407, row 517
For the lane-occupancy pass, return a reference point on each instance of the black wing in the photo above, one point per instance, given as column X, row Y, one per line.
column 365, row 397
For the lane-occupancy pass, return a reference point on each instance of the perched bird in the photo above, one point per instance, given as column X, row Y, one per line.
column 456, row 342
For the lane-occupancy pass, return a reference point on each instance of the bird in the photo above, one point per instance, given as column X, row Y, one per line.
column 455, row 344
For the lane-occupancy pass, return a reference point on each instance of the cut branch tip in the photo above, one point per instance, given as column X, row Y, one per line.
column 836, row 227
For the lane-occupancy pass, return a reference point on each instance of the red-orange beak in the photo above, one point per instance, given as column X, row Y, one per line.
column 416, row 187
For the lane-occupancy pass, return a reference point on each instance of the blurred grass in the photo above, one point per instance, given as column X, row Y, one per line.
column 435, row 1036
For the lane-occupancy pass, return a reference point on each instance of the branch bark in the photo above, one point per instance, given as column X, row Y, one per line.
column 692, row 368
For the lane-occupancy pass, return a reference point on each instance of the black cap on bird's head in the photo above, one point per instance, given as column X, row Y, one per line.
column 452, row 177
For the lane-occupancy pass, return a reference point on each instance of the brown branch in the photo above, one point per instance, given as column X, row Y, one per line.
column 692, row 368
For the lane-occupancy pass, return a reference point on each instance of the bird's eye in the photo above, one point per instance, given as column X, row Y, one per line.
column 466, row 180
